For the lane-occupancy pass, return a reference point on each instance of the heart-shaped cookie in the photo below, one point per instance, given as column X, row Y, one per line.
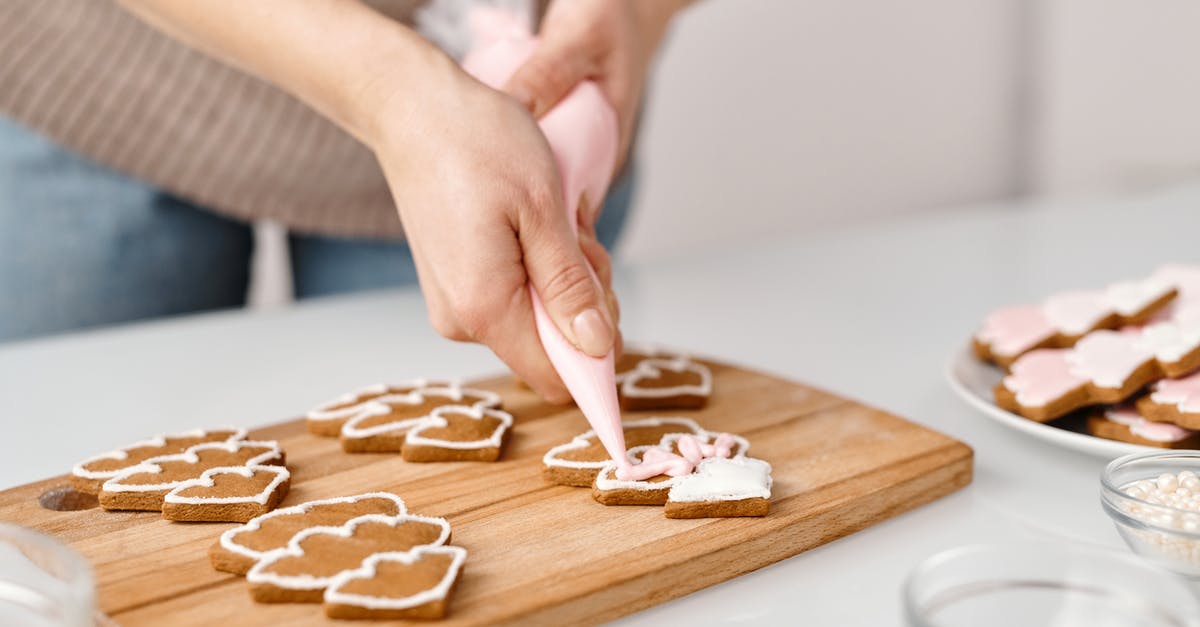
column 228, row 494
column 677, row 383
column 397, row 585
column 239, row 548
column 720, row 488
column 300, row 572
column 458, row 433
column 577, row 462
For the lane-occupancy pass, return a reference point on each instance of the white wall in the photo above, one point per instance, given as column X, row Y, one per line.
column 778, row 115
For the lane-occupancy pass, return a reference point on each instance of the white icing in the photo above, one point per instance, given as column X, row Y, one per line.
column 1139, row 426
column 1130, row 297
column 206, row 480
column 649, row 351
column 190, row 456
column 228, row 539
column 258, row 573
column 1076, row 313
column 436, row 420
column 586, row 438
column 652, row 368
column 706, row 437
column 381, row 406
column 1169, row 342
column 80, row 469
column 333, row 593
column 724, row 479
column 607, row 480
column 1107, row 358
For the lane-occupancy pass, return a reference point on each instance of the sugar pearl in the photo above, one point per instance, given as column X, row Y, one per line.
column 1167, row 482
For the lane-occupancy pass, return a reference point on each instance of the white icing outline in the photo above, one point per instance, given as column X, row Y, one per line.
column 699, row 476
column 151, row 465
column 435, row 420
column 653, row 367
column 158, row 441
column 254, row 524
column 205, row 480
column 381, row 406
column 585, row 439
column 369, row 569
column 649, row 351
column 346, row 530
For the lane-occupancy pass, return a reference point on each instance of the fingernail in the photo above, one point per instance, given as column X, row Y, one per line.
column 592, row 333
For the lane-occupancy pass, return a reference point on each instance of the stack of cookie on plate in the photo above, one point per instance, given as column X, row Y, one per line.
column 1126, row 356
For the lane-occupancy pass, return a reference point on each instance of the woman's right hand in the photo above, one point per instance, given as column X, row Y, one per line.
column 480, row 198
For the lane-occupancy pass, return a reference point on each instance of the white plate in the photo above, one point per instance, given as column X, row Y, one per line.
column 973, row 380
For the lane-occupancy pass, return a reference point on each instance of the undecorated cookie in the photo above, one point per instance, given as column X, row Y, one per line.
column 458, row 433
column 239, row 548
column 228, row 494
column 720, row 488
column 397, row 585
column 144, row 486
column 577, row 462
column 300, row 572
column 89, row 474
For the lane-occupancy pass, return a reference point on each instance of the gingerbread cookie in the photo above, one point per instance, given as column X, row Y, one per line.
column 1106, row 367
column 239, row 548
column 677, row 383
column 458, row 433
column 1175, row 401
column 1065, row 318
column 89, row 474
column 144, row 486
column 397, row 585
column 577, row 462
column 659, row 467
column 300, row 572
column 1124, row 424
column 722, row 487
column 228, row 494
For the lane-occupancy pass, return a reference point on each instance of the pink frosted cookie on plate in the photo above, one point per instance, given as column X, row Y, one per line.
column 1123, row 424
column 1175, row 401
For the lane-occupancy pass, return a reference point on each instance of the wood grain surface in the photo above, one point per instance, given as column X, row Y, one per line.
column 538, row 553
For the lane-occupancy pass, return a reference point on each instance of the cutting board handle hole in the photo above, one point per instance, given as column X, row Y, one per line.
column 67, row 499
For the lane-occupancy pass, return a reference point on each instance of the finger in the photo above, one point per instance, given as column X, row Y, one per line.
column 548, row 75
column 564, row 280
column 437, row 305
column 512, row 335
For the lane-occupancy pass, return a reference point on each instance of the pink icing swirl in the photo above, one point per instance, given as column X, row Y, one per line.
column 692, row 451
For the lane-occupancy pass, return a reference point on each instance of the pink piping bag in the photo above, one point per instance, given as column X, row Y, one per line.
column 582, row 133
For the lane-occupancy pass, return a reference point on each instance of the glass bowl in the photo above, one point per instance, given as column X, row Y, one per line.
column 1041, row 583
column 43, row 582
column 1166, row 535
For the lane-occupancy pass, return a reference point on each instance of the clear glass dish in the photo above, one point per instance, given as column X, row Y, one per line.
column 1165, row 535
column 1047, row 584
column 43, row 582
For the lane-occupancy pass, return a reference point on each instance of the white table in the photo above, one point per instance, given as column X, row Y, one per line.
column 899, row 295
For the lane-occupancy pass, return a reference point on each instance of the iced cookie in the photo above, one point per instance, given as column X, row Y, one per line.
column 300, row 572
column 720, row 488
column 239, row 548
column 658, row 468
column 144, row 486
column 1176, row 401
column 397, row 585
column 458, row 433
column 678, row 383
column 89, row 474
column 577, row 462
column 228, row 494
column 1064, row 318
column 1124, row 424
column 1106, row 367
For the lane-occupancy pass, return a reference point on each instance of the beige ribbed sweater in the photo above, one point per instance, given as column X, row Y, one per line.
column 97, row 80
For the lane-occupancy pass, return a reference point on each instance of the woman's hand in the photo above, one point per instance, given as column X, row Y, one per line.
column 479, row 195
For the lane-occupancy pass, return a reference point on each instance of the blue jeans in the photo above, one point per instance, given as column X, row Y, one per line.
column 83, row 246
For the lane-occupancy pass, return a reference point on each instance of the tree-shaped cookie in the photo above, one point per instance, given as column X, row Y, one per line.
column 89, row 474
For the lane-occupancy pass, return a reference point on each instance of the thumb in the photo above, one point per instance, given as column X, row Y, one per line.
column 569, row 290
column 547, row 76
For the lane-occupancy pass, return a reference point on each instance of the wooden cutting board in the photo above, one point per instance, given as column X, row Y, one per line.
column 543, row 553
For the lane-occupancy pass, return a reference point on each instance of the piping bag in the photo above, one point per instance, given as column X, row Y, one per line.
column 582, row 133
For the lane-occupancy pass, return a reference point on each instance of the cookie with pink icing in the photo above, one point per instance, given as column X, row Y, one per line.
column 1174, row 401
column 576, row 463
column 1061, row 320
column 1124, row 424
column 1105, row 367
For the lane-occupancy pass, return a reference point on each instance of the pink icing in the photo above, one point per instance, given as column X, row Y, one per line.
column 659, row 461
column 1108, row 358
column 1042, row 376
column 1183, row 393
column 1013, row 330
column 1075, row 313
column 1157, row 431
